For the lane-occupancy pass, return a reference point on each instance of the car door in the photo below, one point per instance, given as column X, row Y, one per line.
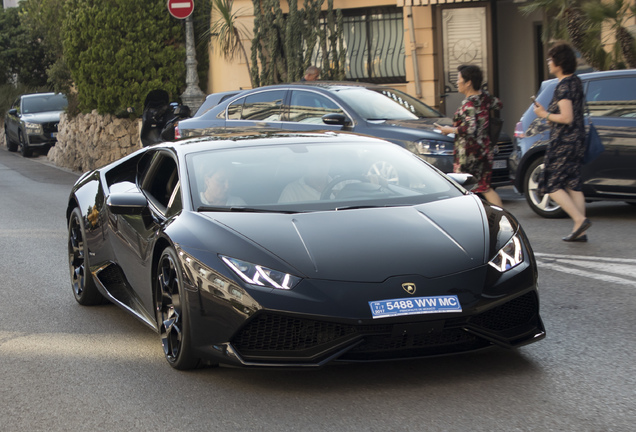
column 306, row 108
column 137, row 233
column 13, row 121
column 612, row 108
column 262, row 109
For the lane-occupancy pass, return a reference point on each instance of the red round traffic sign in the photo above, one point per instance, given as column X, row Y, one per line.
column 180, row 8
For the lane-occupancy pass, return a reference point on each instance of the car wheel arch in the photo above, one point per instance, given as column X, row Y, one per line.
column 532, row 155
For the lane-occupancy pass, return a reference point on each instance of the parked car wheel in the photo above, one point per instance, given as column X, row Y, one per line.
column 541, row 205
column 24, row 147
column 11, row 145
column 84, row 288
column 174, row 326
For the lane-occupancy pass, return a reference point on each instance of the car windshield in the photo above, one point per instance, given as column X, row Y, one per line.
column 386, row 104
column 313, row 177
column 44, row 103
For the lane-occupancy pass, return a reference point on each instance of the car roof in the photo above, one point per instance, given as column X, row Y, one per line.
column 250, row 137
column 325, row 85
column 39, row 94
column 597, row 75
column 608, row 74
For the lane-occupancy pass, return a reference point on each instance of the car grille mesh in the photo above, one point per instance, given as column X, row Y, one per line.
column 49, row 127
column 271, row 332
column 272, row 335
column 111, row 275
column 514, row 313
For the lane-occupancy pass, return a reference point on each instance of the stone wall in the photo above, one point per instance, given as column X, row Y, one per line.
column 91, row 141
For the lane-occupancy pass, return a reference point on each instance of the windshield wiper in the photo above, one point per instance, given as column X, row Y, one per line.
column 356, row 207
column 243, row 210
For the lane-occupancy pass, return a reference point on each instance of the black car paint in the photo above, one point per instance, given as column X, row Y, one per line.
column 221, row 306
column 404, row 133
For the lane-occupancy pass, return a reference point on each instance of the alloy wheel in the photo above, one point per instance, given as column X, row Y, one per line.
column 169, row 308
column 77, row 261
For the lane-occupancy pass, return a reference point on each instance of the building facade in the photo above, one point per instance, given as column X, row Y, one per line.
column 416, row 46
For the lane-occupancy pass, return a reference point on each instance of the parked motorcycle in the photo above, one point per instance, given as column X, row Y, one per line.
column 159, row 117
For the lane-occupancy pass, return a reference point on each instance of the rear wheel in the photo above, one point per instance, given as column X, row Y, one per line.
column 24, row 147
column 84, row 288
column 172, row 313
column 540, row 204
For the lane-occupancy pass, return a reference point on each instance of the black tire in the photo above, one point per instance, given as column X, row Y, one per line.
column 82, row 283
column 24, row 147
column 11, row 145
column 543, row 206
column 172, row 313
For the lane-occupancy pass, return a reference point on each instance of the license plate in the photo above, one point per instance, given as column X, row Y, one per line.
column 53, row 134
column 414, row 306
column 499, row 164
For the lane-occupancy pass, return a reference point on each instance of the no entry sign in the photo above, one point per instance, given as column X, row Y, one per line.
column 180, row 8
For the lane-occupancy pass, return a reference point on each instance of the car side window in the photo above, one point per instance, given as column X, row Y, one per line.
column 263, row 106
column 309, row 107
column 161, row 183
column 16, row 105
column 235, row 109
column 614, row 97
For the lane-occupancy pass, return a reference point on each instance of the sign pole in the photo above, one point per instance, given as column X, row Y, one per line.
column 193, row 97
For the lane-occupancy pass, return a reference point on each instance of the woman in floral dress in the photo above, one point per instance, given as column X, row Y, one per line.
column 473, row 149
column 564, row 158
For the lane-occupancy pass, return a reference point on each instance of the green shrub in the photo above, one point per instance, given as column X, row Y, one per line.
column 119, row 50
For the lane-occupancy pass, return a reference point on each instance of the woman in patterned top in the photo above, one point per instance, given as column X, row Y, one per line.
column 564, row 157
column 473, row 150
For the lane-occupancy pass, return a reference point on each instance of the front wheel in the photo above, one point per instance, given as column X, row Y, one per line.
column 540, row 204
column 84, row 288
column 24, row 147
column 172, row 313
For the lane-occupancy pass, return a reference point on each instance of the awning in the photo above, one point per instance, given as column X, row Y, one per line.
column 402, row 3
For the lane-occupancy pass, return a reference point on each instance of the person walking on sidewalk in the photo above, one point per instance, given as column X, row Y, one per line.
column 473, row 149
column 561, row 177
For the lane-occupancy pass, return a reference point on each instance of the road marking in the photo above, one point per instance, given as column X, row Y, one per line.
column 600, row 268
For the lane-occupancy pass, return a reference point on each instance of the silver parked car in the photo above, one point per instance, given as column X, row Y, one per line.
column 31, row 122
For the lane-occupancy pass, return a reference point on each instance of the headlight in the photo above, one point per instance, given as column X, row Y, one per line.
column 509, row 256
column 33, row 128
column 434, row 148
column 262, row 276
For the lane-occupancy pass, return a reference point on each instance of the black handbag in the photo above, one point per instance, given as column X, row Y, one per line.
column 494, row 127
column 593, row 145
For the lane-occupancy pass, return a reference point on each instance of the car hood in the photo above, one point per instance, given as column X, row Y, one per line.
column 414, row 129
column 371, row 245
column 42, row 117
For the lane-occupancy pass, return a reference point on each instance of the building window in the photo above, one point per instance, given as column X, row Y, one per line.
column 374, row 40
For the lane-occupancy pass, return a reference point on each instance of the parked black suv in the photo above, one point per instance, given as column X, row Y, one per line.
column 611, row 102
column 363, row 108
column 31, row 122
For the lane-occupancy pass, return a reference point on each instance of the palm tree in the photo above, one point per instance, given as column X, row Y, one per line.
column 570, row 23
column 615, row 13
column 228, row 33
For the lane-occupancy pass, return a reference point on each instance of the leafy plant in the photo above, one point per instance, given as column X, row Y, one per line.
column 584, row 22
column 284, row 46
column 227, row 32
column 119, row 50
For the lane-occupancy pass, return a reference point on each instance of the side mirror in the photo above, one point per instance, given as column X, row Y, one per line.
column 336, row 119
column 468, row 181
column 13, row 111
column 132, row 203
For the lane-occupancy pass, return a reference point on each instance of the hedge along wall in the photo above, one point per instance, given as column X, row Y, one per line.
column 119, row 50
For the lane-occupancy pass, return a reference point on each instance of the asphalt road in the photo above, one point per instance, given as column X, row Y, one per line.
column 64, row 367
